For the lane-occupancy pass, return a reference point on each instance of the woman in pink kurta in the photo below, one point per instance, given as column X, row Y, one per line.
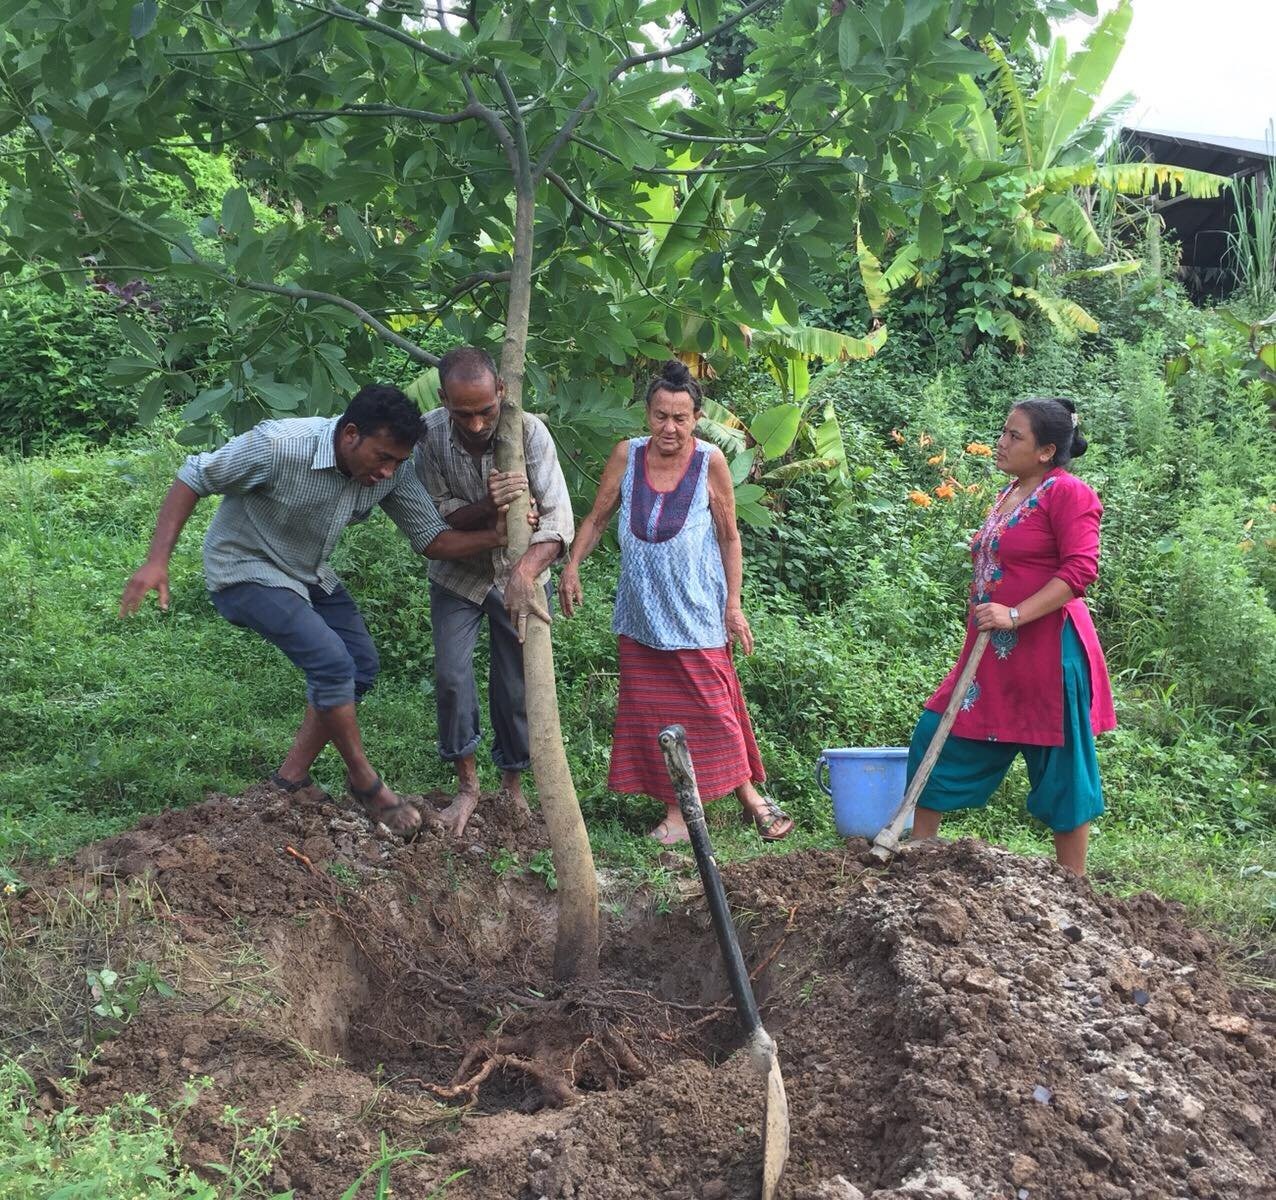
column 1042, row 688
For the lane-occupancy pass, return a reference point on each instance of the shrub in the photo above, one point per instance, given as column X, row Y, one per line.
column 53, row 379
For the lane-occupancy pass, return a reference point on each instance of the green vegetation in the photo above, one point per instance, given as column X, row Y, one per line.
column 856, row 611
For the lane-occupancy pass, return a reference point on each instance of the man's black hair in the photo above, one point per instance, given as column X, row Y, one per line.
column 382, row 408
column 466, row 363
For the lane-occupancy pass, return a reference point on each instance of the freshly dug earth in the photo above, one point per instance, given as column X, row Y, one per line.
column 964, row 1023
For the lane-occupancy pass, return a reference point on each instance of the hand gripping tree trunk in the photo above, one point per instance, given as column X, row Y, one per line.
column 576, row 948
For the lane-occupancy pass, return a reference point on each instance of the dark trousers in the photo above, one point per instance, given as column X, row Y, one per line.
column 455, row 624
column 325, row 637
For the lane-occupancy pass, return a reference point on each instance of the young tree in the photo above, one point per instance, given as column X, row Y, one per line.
column 563, row 176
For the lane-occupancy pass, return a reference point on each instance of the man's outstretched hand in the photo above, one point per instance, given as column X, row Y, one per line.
column 149, row 577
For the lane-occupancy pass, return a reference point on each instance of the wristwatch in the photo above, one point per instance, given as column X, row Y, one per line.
column 1014, row 618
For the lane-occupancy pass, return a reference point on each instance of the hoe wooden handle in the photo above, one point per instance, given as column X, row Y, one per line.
column 887, row 842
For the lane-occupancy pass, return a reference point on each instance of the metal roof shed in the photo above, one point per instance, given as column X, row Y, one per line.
column 1201, row 226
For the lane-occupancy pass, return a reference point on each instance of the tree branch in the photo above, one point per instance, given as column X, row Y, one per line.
column 397, row 35
column 635, row 60
column 590, row 98
column 384, row 332
column 576, row 202
column 469, row 113
column 255, row 47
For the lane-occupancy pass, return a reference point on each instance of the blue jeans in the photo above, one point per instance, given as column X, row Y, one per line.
column 326, row 637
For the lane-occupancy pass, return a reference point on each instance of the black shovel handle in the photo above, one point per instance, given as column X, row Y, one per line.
column 673, row 744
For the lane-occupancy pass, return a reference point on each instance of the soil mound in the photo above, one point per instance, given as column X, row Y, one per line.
column 964, row 1023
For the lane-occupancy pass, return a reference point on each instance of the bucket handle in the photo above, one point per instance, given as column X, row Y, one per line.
column 822, row 768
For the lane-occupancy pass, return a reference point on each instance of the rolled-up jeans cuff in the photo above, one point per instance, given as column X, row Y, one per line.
column 330, row 694
column 449, row 755
column 523, row 765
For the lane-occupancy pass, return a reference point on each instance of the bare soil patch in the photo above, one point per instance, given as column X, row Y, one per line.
column 965, row 1023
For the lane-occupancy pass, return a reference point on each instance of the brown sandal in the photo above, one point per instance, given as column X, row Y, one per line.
column 400, row 818
column 775, row 816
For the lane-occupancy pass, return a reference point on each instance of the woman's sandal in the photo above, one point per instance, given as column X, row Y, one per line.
column 661, row 834
column 303, row 789
column 766, row 825
column 400, row 818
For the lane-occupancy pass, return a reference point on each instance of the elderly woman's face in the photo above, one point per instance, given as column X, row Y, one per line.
column 671, row 417
column 1017, row 451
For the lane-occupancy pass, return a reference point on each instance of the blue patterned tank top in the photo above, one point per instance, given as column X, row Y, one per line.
column 672, row 593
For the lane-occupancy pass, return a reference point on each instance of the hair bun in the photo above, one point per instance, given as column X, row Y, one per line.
column 673, row 371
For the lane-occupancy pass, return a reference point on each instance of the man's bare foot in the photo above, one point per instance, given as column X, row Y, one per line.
column 456, row 816
column 672, row 830
column 512, row 786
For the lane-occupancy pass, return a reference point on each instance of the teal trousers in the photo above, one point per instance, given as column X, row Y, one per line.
column 1065, row 790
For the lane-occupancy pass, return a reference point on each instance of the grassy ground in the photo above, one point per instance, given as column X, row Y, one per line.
column 102, row 720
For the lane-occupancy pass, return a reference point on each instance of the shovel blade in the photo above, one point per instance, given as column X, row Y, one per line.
column 775, row 1126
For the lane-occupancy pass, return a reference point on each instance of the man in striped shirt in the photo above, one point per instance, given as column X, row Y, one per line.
column 290, row 488
column 455, row 462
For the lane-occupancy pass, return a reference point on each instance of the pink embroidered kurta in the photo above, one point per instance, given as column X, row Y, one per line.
column 1017, row 693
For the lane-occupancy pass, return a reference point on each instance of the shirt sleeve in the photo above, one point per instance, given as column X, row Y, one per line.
column 548, row 486
column 242, row 465
column 1075, row 512
column 409, row 506
column 425, row 461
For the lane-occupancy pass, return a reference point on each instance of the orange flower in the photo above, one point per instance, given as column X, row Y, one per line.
column 920, row 499
column 897, row 437
column 945, row 491
column 979, row 450
column 936, row 459
column 925, row 440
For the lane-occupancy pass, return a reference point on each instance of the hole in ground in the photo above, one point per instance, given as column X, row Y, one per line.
column 449, row 997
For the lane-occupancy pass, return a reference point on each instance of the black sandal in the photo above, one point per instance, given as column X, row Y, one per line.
column 386, row 814
column 306, row 788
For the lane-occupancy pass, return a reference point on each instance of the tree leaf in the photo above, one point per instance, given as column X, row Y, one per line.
column 142, row 19
column 210, row 400
column 281, row 397
column 354, row 231
column 930, row 232
column 138, row 338
column 775, row 429
column 237, row 211
column 151, row 400
column 848, row 38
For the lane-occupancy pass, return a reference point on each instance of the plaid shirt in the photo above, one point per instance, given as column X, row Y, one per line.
column 455, row 479
column 287, row 503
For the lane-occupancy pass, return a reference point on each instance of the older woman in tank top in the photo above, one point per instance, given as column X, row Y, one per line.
column 677, row 610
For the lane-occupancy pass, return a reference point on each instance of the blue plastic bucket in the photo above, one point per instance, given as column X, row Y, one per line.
column 866, row 785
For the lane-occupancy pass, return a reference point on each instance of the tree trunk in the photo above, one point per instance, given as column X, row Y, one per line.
column 576, row 948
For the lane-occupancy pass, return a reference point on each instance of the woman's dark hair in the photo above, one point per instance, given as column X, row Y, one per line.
column 382, row 408
column 674, row 377
column 1054, row 422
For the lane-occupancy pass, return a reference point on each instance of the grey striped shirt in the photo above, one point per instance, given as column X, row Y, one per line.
column 286, row 503
column 455, row 478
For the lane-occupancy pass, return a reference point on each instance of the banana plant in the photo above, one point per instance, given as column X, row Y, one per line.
column 988, row 244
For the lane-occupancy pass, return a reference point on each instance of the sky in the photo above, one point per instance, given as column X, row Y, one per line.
column 1196, row 66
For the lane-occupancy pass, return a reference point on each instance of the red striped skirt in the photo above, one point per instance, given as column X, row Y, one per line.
column 697, row 689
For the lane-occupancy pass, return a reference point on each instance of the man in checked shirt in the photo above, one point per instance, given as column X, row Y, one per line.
column 290, row 488
column 454, row 460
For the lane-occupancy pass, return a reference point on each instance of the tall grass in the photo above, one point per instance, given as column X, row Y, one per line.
column 1252, row 243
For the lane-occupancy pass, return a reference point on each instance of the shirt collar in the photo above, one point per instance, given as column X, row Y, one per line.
column 326, row 452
